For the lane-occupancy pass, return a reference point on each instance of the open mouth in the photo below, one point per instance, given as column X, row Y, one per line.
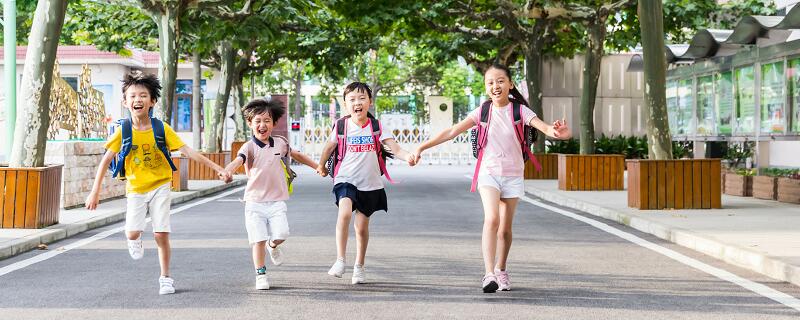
column 138, row 107
column 358, row 109
column 262, row 131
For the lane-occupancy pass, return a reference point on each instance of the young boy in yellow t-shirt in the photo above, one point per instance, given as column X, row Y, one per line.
column 147, row 169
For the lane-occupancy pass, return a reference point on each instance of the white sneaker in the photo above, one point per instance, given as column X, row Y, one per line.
column 166, row 285
column 358, row 274
column 261, row 282
column 275, row 255
column 337, row 269
column 136, row 248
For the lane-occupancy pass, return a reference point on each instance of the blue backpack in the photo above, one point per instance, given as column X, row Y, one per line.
column 117, row 166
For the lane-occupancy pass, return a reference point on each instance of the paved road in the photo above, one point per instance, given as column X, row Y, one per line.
column 423, row 262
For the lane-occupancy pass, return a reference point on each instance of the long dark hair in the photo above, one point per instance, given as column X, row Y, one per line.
column 516, row 96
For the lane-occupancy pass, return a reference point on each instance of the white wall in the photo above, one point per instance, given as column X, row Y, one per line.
column 784, row 153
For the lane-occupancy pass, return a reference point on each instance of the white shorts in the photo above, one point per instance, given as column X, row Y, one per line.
column 157, row 202
column 265, row 221
column 509, row 187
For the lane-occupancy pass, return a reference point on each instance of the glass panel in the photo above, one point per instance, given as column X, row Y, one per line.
column 772, row 98
column 684, row 114
column 183, row 115
column 794, row 86
column 745, row 100
column 705, row 105
column 724, row 102
column 672, row 105
column 183, row 86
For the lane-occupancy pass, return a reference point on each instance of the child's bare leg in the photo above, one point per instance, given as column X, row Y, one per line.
column 490, row 197
column 259, row 254
column 343, row 227
column 164, row 251
column 504, row 235
column 362, row 237
column 133, row 235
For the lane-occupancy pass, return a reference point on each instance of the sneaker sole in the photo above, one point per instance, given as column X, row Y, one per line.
column 490, row 288
column 335, row 275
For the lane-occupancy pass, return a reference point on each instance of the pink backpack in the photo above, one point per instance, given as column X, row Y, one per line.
column 340, row 127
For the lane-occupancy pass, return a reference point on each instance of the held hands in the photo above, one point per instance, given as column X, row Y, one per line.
column 412, row 160
column 416, row 155
column 322, row 170
column 561, row 130
column 225, row 175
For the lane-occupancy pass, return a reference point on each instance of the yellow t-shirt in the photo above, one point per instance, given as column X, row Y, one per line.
column 146, row 168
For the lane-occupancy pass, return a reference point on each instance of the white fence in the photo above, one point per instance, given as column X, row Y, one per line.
column 457, row 151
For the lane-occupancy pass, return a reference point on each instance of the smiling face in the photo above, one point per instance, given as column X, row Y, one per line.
column 138, row 101
column 261, row 124
column 357, row 103
column 497, row 85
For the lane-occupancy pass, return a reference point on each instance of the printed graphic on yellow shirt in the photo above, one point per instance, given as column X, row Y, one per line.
column 147, row 156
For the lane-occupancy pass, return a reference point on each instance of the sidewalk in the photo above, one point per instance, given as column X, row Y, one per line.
column 760, row 235
column 75, row 221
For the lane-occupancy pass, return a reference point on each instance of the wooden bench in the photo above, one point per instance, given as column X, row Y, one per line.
column 549, row 162
column 674, row 184
column 199, row 171
column 30, row 197
column 591, row 172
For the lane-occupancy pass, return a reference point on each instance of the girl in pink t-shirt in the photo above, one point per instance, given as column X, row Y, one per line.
column 500, row 175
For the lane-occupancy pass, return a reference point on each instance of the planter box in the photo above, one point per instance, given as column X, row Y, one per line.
column 678, row 184
column 765, row 187
column 29, row 197
column 738, row 185
column 180, row 178
column 591, row 172
column 234, row 151
column 80, row 160
column 789, row 190
column 549, row 162
column 199, row 171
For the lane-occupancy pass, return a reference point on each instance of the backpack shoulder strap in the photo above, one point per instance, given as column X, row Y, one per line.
column 285, row 142
column 161, row 140
column 517, row 112
column 486, row 107
column 377, row 130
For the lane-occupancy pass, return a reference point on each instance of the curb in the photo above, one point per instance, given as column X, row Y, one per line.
column 742, row 257
column 62, row 231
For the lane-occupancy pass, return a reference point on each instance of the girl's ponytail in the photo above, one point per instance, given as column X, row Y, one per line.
column 517, row 97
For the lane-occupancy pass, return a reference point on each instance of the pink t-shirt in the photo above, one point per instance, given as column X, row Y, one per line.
column 502, row 155
column 266, row 179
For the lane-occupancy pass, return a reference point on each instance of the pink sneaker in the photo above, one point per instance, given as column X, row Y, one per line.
column 504, row 283
column 489, row 283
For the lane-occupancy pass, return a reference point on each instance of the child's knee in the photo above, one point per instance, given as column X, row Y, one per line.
column 133, row 235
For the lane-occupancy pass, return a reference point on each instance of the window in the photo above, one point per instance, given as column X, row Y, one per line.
column 724, row 102
column 72, row 81
column 182, row 107
column 794, row 87
column 772, row 98
column 705, row 105
column 684, row 112
column 672, row 106
column 745, row 100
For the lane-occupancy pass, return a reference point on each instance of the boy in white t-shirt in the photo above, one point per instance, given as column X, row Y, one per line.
column 267, row 185
column 357, row 177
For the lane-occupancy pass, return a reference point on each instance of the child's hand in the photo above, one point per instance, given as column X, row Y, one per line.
column 417, row 154
column 92, row 201
column 225, row 176
column 322, row 170
column 561, row 130
column 412, row 159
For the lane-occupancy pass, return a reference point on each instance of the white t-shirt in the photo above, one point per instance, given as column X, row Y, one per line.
column 360, row 164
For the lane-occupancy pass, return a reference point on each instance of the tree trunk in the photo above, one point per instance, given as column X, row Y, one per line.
column 651, row 16
column 298, row 86
column 591, row 73
column 533, row 75
column 238, row 116
column 196, row 101
column 30, row 132
column 213, row 143
column 168, row 23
